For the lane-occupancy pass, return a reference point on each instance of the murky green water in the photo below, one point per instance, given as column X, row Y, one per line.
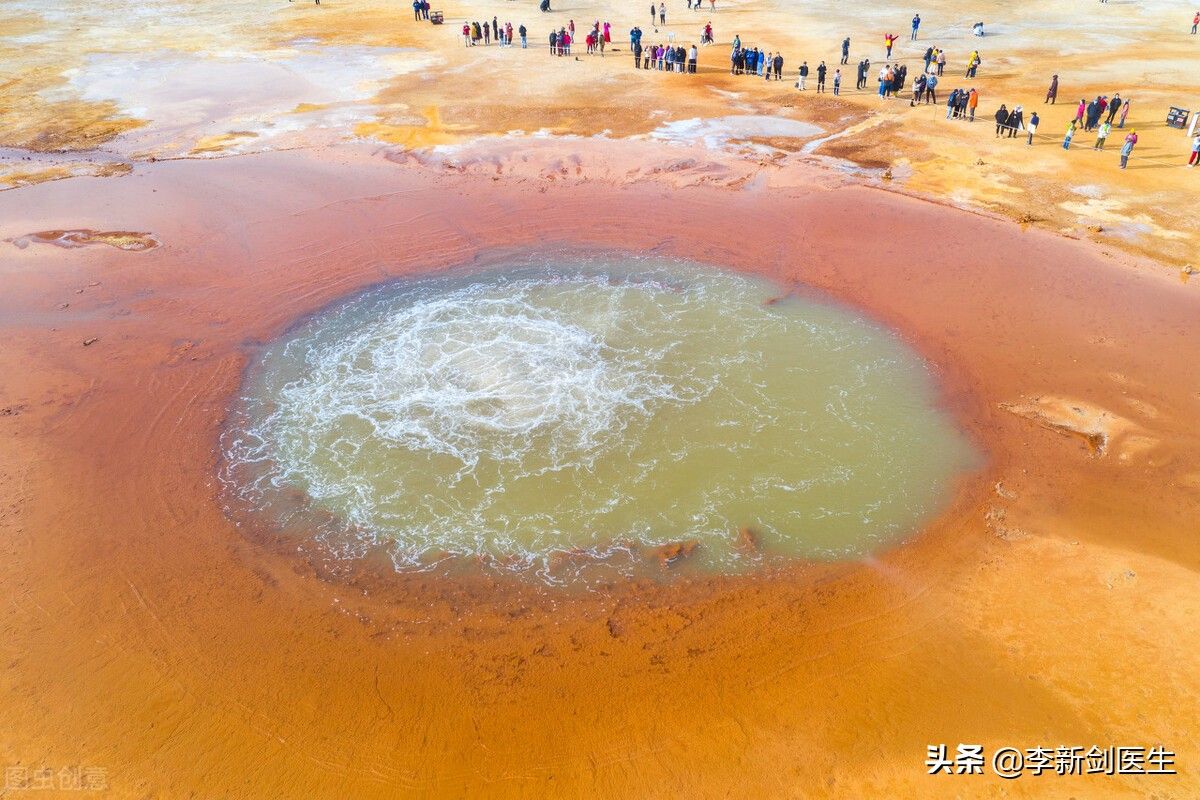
column 606, row 407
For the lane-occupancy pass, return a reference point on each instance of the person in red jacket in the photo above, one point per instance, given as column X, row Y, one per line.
column 889, row 39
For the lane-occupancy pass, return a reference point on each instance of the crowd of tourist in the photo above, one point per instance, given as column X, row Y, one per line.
column 1099, row 115
column 473, row 33
column 756, row 62
column 663, row 57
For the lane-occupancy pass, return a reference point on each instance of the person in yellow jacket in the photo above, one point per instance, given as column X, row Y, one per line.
column 973, row 64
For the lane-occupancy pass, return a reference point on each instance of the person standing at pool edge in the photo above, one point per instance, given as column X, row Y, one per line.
column 1124, row 113
column 973, row 64
column 1127, row 148
column 931, row 82
column 1114, row 106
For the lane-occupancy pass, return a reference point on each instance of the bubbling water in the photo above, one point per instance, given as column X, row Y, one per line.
column 537, row 412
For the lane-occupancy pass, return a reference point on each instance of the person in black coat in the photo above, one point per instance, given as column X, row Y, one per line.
column 1113, row 108
column 821, row 70
column 1016, row 121
column 1001, row 118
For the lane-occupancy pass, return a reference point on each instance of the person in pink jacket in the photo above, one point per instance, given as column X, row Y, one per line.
column 1127, row 148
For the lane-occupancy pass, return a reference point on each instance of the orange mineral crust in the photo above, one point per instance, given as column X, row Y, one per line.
column 1052, row 602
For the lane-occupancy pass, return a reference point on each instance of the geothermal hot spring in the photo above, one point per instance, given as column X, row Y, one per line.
column 561, row 412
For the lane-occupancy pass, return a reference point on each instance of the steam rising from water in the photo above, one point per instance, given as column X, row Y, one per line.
column 528, row 413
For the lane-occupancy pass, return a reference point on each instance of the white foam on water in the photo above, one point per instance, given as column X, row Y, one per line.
column 474, row 375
